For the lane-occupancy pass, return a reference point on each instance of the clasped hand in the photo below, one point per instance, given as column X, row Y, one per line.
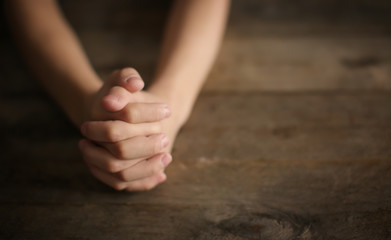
column 125, row 145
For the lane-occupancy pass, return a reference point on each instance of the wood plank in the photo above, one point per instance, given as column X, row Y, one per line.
column 265, row 63
column 289, row 140
column 326, row 200
column 231, row 193
column 270, row 46
column 244, row 126
column 280, row 63
column 271, row 57
column 302, row 63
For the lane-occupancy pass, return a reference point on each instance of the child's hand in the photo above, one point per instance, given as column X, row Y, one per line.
column 114, row 100
column 126, row 154
column 131, row 175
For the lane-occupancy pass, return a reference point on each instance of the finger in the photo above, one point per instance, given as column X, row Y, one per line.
column 138, row 185
column 145, row 168
column 119, row 108
column 102, row 159
column 108, row 179
column 115, row 131
column 142, row 112
column 146, row 184
column 127, row 78
column 138, row 147
column 116, row 99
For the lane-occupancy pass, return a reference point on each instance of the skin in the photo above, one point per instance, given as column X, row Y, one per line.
column 129, row 132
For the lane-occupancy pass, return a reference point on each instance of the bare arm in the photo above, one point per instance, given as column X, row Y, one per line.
column 53, row 54
column 192, row 38
column 191, row 42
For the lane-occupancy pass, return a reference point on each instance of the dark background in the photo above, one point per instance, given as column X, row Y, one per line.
column 290, row 138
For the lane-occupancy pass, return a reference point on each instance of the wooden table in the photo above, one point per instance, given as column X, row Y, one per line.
column 290, row 138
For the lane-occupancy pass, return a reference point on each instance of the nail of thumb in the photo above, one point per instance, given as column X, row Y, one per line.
column 133, row 84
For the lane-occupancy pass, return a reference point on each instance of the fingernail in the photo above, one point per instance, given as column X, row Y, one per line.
column 131, row 78
column 166, row 159
column 165, row 142
column 167, row 112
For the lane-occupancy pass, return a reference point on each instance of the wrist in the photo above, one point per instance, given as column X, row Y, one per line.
column 88, row 99
column 180, row 103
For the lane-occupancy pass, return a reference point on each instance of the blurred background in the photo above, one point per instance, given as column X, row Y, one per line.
column 290, row 138
column 320, row 44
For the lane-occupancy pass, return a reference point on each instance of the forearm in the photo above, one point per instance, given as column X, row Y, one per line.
column 192, row 38
column 53, row 54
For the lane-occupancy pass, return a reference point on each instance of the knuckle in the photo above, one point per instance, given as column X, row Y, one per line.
column 130, row 114
column 113, row 167
column 124, row 115
column 119, row 149
column 122, row 176
column 113, row 134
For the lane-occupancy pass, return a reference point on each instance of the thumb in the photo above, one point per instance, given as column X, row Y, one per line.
column 116, row 99
column 127, row 78
column 122, row 82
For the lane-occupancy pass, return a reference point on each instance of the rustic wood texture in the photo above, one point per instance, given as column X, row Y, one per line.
column 290, row 138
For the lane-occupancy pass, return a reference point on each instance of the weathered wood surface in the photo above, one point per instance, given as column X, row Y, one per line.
column 292, row 140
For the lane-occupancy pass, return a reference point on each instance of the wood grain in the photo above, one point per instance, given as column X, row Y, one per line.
column 290, row 138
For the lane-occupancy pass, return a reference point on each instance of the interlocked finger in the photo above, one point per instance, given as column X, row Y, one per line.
column 115, row 131
column 138, row 147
